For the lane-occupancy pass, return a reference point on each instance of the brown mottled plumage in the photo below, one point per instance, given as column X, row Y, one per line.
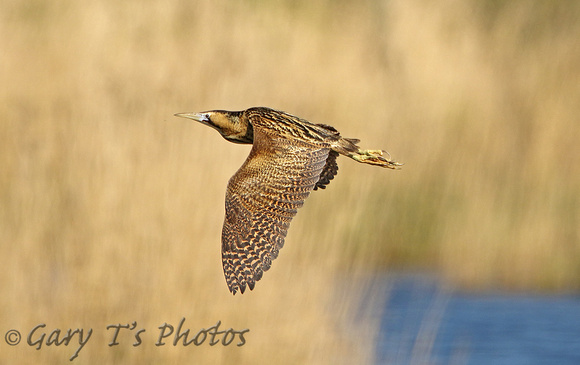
column 290, row 158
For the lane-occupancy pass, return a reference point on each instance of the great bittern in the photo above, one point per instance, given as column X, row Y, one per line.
column 290, row 157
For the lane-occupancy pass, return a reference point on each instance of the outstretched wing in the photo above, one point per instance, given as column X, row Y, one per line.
column 328, row 172
column 261, row 200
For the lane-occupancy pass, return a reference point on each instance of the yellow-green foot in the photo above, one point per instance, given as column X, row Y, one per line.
column 375, row 157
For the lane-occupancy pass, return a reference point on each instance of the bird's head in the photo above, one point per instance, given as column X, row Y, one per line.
column 233, row 126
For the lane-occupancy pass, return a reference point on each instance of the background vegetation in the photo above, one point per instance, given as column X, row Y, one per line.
column 111, row 208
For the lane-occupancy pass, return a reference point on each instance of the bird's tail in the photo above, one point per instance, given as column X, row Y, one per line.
column 347, row 146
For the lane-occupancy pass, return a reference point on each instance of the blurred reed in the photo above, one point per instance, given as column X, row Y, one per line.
column 111, row 209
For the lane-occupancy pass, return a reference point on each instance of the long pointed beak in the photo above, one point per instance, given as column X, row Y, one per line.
column 200, row 117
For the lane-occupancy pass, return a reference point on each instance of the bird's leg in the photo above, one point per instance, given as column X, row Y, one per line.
column 374, row 157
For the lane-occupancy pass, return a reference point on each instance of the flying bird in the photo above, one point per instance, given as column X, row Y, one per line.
column 290, row 157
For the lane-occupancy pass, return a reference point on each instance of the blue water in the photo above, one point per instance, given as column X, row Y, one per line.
column 426, row 324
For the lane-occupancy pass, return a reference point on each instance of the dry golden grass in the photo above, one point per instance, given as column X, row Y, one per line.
column 111, row 208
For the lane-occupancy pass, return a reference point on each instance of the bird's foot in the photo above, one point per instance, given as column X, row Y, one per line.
column 375, row 157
